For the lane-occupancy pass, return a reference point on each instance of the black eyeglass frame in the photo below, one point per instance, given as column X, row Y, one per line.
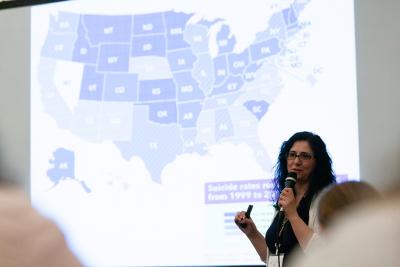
column 303, row 156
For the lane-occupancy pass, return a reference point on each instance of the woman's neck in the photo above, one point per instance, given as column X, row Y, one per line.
column 301, row 189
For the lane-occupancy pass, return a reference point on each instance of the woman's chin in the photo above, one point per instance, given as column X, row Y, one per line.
column 302, row 180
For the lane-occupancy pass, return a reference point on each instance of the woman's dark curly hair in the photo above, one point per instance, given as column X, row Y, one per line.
column 322, row 175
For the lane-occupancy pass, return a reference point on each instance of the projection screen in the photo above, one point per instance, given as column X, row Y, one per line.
column 154, row 122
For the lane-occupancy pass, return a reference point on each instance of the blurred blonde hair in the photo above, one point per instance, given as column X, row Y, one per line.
column 339, row 197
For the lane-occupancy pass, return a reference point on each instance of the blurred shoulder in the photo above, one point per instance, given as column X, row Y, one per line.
column 27, row 238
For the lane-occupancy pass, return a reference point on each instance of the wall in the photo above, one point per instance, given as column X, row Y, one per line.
column 14, row 93
column 378, row 81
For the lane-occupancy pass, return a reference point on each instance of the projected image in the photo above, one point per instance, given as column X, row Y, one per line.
column 153, row 122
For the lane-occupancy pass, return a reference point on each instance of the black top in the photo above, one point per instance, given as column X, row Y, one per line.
column 288, row 240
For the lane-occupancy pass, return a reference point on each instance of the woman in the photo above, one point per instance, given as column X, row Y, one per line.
column 304, row 154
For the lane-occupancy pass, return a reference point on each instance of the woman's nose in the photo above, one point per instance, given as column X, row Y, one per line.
column 297, row 161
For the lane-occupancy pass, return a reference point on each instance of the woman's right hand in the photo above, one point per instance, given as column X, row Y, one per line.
column 252, row 233
column 246, row 225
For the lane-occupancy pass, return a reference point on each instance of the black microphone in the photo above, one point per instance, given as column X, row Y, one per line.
column 290, row 181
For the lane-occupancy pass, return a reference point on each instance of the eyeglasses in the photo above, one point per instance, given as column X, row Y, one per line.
column 292, row 155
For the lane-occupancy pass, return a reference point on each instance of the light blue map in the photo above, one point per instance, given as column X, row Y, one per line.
column 64, row 168
column 191, row 99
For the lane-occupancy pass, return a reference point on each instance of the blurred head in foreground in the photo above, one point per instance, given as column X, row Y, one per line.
column 338, row 198
column 368, row 238
column 26, row 237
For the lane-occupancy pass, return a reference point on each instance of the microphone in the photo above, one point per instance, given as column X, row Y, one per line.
column 290, row 181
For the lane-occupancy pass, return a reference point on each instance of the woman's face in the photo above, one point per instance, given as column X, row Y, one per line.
column 301, row 160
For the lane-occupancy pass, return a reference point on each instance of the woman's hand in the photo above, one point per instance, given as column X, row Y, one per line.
column 246, row 225
column 255, row 237
column 288, row 202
